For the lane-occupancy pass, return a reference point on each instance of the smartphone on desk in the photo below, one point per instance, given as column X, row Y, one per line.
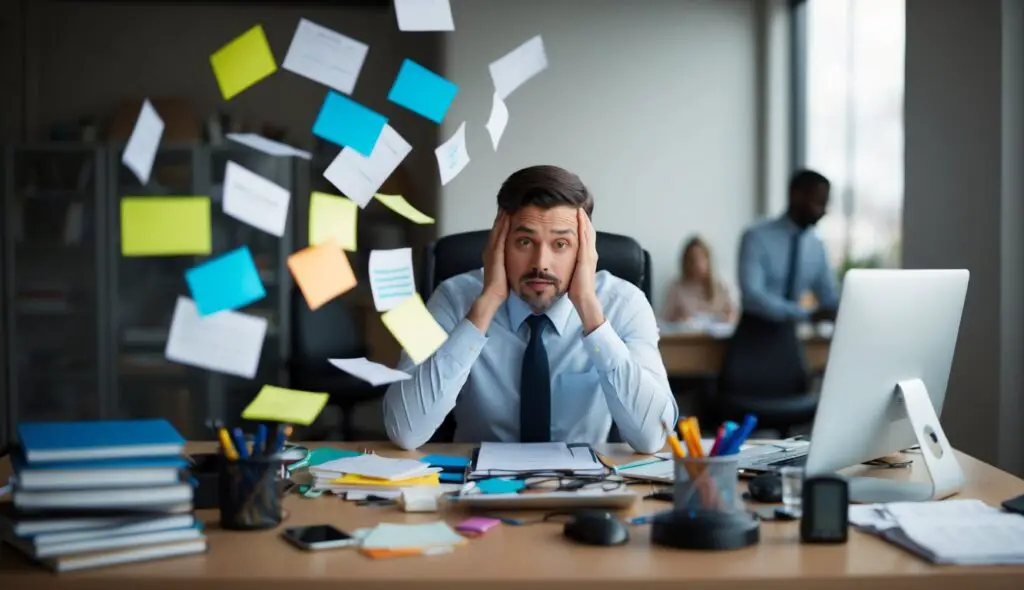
column 1015, row 505
column 320, row 536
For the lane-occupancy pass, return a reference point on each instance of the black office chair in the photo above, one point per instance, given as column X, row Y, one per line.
column 453, row 255
column 332, row 331
column 764, row 373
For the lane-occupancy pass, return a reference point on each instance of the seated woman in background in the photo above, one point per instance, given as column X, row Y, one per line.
column 697, row 294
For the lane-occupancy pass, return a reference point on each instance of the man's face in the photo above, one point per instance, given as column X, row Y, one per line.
column 540, row 254
column 809, row 205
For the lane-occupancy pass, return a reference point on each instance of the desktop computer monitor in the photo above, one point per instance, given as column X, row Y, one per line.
column 885, row 380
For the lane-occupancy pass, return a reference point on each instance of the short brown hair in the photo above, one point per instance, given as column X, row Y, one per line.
column 544, row 187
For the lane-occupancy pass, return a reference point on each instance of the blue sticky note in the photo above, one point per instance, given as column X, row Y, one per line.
column 446, row 461
column 347, row 123
column 230, row 281
column 500, row 486
column 451, row 477
column 422, row 91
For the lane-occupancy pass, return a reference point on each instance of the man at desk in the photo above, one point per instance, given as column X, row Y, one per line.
column 782, row 258
column 541, row 346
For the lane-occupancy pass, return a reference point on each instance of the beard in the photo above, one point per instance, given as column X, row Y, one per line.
column 543, row 293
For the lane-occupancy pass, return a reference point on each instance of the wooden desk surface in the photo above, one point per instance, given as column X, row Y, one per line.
column 535, row 556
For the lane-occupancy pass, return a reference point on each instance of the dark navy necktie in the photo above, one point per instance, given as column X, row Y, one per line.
column 794, row 266
column 535, row 386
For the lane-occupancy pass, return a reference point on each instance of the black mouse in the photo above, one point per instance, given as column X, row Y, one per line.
column 595, row 527
column 766, row 487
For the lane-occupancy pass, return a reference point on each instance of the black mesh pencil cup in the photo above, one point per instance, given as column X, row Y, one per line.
column 249, row 498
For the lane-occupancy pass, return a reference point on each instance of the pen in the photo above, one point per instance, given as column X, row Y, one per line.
column 259, row 445
column 726, row 431
column 718, row 441
column 278, row 439
column 225, row 444
column 732, row 446
column 240, row 444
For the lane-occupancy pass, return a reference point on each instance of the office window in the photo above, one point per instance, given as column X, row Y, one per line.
column 849, row 122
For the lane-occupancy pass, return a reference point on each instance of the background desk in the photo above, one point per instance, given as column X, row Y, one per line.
column 694, row 354
column 534, row 556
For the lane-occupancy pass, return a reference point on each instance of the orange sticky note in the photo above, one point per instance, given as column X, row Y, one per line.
column 322, row 272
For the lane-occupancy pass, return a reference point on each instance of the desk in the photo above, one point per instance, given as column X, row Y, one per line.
column 534, row 556
column 693, row 354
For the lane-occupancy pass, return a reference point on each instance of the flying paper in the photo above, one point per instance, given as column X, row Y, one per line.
column 324, row 56
column 228, row 342
column 498, row 120
column 422, row 91
column 322, row 273
column 415, row 329
column 391, row 277
column 347, row 123
column 398, row 204
column 373, row 373
column 358, row 177
column 250, row 198
column 243, row 62
column 165, row 226
column 140, row 151
column 518, row 66
column 267, row 146
column 229, row 281
column 452, row 156
column 424, row 15
column 332, row 218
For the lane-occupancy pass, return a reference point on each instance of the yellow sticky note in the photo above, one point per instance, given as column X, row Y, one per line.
column 352, row 479
column 165, row 226
column 243, row 62
column 332, row 217
column 322, row 273
column 290, row 406
column 415, row 329
column 398, row 204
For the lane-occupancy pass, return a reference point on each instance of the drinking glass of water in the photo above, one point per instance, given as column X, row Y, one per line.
column 792, row 487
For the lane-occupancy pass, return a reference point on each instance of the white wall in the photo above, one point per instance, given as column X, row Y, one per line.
column 653, row 104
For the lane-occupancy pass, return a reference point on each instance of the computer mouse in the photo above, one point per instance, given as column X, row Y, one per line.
column 766, row 487
column 595, row 527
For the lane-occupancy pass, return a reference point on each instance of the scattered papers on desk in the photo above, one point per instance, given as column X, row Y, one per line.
column 325, row 56
column 497, row 121
column 373, row 373
column 452, row 156
column 375, row 466
column 357, row 176
column 332, row 218
column 424, row 15
column 165, row 226
column 140, row 151
column 290, row 406
column 227, row 342
column 391, row 277
column 322, row 273
column 398, row 204
column 229, row 281
column 497, row 459
column 243, row 62
column 415, row 328
column 517, row 66
column 268, row 146
column 962, row 532
column 252, row 199
column 394, row 540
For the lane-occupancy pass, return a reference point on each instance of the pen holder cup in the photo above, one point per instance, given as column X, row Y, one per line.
column 706, row 484
column 249, row 495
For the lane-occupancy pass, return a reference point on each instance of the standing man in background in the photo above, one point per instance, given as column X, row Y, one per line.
column 782, row 258
column 541, row 346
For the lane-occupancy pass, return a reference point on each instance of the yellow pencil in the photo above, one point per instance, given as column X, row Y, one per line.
column 673, row 442
column 225, row 444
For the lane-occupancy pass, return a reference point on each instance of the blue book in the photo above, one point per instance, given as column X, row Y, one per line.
column 51, row 442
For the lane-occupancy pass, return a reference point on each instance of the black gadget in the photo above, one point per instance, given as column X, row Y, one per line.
column 766, row 487
column 825, row 509
column 595, row 527
column 321, row 536
column 1014, row 505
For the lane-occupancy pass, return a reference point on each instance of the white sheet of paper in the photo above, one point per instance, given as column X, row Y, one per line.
column 325, row 56
column 498, row 120
column 250, row 198
column 268, row 146
column 140, row 151
column 452, row 156
column 518, row 66
column 373, row 373
column 391, row 277
column 227, row 341
column 424, row 15
column 359, row 177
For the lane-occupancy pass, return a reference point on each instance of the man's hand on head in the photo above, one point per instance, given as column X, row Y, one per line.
column 583, row 288
column 495, row 290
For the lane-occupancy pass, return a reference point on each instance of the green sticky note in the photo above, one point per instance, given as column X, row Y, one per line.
column 243, row 62
column 165, row 226
column 290, row 406
column 332, row 218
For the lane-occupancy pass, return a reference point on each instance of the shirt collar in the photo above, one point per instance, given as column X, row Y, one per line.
column 519, row 310
column 787, row 222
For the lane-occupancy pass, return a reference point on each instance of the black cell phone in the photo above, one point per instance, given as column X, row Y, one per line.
column 321, row 536
column 1015, row 505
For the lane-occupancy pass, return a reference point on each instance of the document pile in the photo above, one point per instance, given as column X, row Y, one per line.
column 962, row 532
column 372, row 472
column 97, row 493
column 397, row 540
column 535, row 459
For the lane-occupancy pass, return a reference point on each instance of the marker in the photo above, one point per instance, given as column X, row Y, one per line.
column 226, row 445
column 259, row 445
column 240, row 444
column 740, row 436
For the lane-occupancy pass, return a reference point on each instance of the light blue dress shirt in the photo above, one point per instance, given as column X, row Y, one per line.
column 614, row 373
column 764, row 268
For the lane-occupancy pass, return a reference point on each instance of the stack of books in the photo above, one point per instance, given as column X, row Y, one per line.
column 97, row 493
